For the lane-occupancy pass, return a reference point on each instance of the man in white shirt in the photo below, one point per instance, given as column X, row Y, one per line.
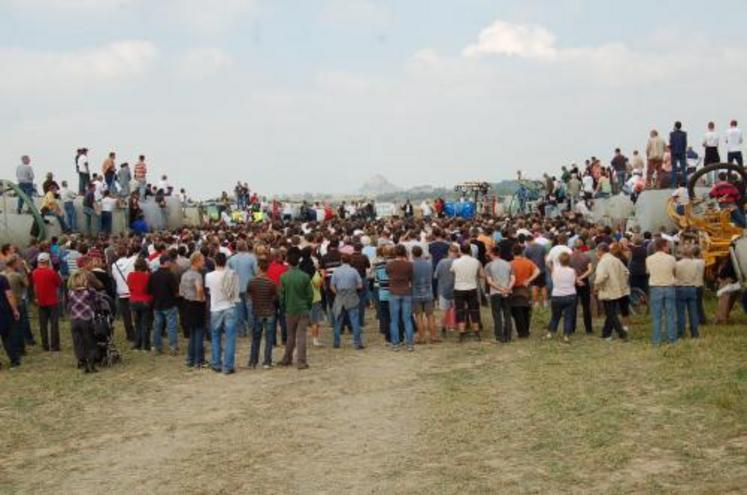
column 100, row 187
column 734, row 144
column 467, row 274
column 588, row 185
column 84, row 173
column 561, row 246
column 223, row 287
column 108, row 204
column 120, row 270
column 164, row 184
column 710, row 143
column 68, row 197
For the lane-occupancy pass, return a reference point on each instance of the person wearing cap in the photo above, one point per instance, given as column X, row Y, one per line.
column 47, row 283
column 163, row 286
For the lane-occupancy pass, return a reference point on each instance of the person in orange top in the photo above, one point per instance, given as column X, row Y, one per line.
column 525, row 271
column 108, row 170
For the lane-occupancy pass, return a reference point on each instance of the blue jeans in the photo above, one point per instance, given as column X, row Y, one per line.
column 167, row 317
column 687, row 301
column 244, row 316
column 663, row 301
column 25, row 323
column 28, row 188
column 401, row 304
column 679, row 164
column 620, row 176
column 90, row 215
column 60, row 219
column 71, row 216
column 564, row 307
column 83, row 181
column 261, row 323
column 364, row 298
column 226, row 321
column 279, row 320
column 354, row 318
column 196, row 347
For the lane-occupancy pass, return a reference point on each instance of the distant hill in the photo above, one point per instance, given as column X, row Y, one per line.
column 378, row 185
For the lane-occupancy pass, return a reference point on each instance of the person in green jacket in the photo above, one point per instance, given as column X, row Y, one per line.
column 296, row 296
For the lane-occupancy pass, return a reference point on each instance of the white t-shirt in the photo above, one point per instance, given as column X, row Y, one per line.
column 82, row 163
column 99, row 190
column 541, row 240
column 588, row 182
column 733, row 139
column 711, row 139
column 120, row 270
column 563, row 281
column 164, row 185
column 555, row 251
column 108, row 204
column 465, row 269
column 214, row 284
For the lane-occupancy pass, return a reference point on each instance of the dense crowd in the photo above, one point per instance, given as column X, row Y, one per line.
column 219, row 283
column 287, row 274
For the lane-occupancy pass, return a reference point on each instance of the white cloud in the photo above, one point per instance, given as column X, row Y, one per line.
column 521, row 40
column 28, row 71
column 203, row 62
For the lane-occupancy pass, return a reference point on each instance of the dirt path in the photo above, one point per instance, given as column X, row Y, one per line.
column 339, row 427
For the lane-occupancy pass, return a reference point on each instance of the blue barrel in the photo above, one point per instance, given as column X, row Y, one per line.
column 464, row 210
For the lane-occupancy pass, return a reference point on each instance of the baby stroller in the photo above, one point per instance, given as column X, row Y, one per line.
column 103, row 331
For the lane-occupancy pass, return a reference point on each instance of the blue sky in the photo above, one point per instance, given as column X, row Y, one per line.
column 318, row 95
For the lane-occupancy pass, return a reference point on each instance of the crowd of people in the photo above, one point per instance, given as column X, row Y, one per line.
column 276, row 282
column 101, row 193
column 664, row 165
column 422, row 277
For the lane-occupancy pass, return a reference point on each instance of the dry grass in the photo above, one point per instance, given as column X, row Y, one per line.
column 530, row 417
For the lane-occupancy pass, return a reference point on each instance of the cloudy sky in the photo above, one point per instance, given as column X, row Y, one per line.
column 319, row 95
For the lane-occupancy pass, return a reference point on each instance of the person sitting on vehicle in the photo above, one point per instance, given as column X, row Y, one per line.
column 729, row 198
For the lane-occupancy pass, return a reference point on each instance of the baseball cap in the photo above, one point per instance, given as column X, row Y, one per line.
column 43, row 258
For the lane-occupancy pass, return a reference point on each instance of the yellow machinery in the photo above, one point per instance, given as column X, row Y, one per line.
column 711, row 225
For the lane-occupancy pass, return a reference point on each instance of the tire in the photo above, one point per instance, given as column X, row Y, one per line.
column 731, row 167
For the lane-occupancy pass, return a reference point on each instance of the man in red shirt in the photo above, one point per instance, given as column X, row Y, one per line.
column 47, row 283
column 729, row 198
column 276, row 269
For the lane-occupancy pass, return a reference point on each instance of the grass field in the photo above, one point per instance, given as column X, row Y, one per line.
column 529, row 417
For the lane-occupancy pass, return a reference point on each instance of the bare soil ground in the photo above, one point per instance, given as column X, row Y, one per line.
column 529, row 417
